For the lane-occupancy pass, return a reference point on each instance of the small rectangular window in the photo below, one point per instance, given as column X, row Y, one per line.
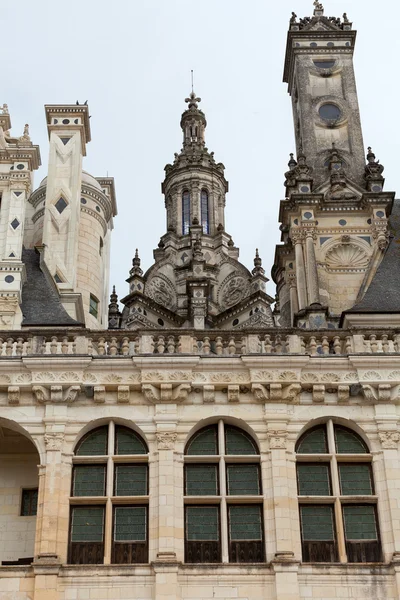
column 131, row 480
column 243, row 480
column 246, row 534
column 318, row 533
column 93, row 306
column 130, row 535
column 89, row 480
column 29, row 502
column 313, row 480
column 86, row 535
column 355, row 479
column 201, row 480
column 202, row 539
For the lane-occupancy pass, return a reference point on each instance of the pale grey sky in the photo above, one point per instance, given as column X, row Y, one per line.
column 131, row 59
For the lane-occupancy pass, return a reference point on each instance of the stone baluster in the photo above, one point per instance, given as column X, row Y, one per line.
column 125, row 346
column 113, row 347
column 171, row 344
column 232, row 346
column 206, row 345
column 325, row 344
column 218, row 346
column 337, row 345
column 267, row 344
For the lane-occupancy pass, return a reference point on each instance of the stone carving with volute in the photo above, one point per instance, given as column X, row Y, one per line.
column 53, row 441
column 389, row 439
column 166, row 440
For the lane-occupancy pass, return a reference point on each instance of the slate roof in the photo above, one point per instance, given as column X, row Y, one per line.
column 383, row 294
column 41, row 305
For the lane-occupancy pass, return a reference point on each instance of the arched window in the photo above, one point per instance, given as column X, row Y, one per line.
column 223, row 497
column 337, row 500
column 110, row 497
column 205, row 218
column 185, row 212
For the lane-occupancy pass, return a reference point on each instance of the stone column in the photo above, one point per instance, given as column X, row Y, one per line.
column 294, row 304
column 300, row 271
column 386, row 468
column 285, row 510
column 312, row 273
column 168, row 530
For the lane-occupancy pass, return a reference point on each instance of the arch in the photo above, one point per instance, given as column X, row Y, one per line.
column 228, row 420
column 341, row 421
column 97, row 423
column 38, row 444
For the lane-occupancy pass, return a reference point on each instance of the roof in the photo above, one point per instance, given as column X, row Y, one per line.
column 41, row 304
column 383, row 294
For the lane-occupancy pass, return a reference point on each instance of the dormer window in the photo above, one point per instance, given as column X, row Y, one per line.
column 185, row 212
column 205, row 219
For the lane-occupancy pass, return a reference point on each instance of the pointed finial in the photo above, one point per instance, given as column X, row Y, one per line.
column 292, row 163
column 113, row 289
column 192, row 101
column 136, row 270
column 192, row 82
column 257, row 259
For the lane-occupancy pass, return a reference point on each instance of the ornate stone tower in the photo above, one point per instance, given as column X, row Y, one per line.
column 334, row 217
column 197, row 280
column 72, row 215
column 18, row 159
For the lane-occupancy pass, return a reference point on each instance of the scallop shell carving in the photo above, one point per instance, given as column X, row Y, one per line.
column 371, row 376
column 309, row 378
column 180, row 376
column 113, row 378
column 5, row 379
column 346, row 255
column 394, row 375
column 24, row 378
column 262, row 376
column 287, row 376
column 135, row 378
column 199, row 377
column 89, row 378
column 44, row 377
column 330, row 377
column 350, row 377
column 69, row 376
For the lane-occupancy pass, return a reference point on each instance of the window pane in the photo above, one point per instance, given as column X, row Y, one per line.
column 185, row 212
column 204, row 442
column 238, row 442
column 29, row 503
column 313, row 480
column 355, row 479
column 313, row 442
column 348, row 442
column 202, row 523
column 245, row 523
column 130, row 524
column 89, row 480
column 204, row 212
column 87, row 524
column 131, row 480
column 94, row 444
column 128, row 442
column 243, row 479
column 360, row 522
column 317, row 523
column 201, row 480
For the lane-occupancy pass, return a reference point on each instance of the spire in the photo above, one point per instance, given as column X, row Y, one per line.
column 258, row 269
column 136, row 270
column 193, row 122
column 114, row 315
column 292, row 162
column 192, row 101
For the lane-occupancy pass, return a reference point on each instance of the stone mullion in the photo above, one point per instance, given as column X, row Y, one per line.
column 312, row 273
column 300, row 272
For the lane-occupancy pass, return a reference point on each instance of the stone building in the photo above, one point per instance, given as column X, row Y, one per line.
column 198, row 444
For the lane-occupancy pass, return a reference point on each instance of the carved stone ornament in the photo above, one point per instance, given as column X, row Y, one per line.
column 233, row 291
column 277, row 439
column 53, row 441
column 166, row 392
column 13, row 395
column 123, row 395
column 55, row 393
column 347, row 256
column 208, row 394
column 233, row 393
column 160, row 291
column 389, row 439
column 166, row 440
column 99, row 394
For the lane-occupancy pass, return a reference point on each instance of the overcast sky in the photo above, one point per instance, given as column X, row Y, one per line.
column 131, row 59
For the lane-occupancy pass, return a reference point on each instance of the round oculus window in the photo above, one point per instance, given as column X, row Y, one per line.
column 324, row 64
column 380, row 214
column 329, row 112
column 65, row 121
column 8, row 278
column 304, row 189
column 342, row 222
column 313, row 44
column 307, row 215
